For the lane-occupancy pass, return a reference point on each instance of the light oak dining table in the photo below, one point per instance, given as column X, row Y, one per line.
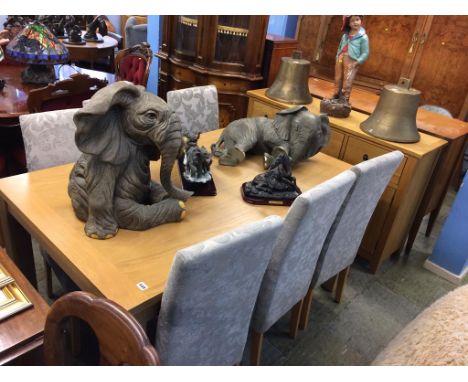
column 133, row 267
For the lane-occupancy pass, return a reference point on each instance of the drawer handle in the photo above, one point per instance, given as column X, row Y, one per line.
column 365, row 157
column 266, row 115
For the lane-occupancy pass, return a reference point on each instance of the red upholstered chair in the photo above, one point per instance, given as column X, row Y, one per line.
column 133, row 64
column 66, row 94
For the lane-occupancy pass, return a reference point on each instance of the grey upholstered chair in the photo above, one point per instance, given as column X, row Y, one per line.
column 295, row 255
column 135, row 33
column 346, row 234
column 197, row 108
column 49, row 140
column 210, row 295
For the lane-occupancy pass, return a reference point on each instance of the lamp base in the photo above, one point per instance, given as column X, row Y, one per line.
column 38, row 74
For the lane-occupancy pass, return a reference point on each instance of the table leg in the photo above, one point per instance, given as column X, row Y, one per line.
column 17, row 243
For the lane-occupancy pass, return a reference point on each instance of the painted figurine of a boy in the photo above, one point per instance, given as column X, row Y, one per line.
column 352, row 52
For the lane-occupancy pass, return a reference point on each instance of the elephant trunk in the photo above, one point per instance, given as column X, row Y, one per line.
column 170, row 148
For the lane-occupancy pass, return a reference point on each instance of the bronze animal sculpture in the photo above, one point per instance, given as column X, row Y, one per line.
column 295, row 131
column 99, row 22
column 197, row 161
column 118, row 130
column 276, row 183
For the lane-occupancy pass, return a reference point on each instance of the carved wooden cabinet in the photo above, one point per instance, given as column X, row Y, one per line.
column 225, row 51
column 392, row 219
column 430, row 50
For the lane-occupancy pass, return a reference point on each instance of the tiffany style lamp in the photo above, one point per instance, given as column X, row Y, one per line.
column 37, row 46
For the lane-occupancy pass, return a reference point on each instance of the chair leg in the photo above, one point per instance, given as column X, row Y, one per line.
column 305, row 311
column 329, row 284
column 256, row 348
column 295, row 317
column 342, row 276
column 48, row 274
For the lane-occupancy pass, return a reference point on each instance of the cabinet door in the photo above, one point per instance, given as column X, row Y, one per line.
column 441, row 72
column 184, row 36
column 392, row 45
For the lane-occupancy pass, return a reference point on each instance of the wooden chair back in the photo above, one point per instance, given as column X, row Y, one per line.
column 66, row 94
column 122, row 341
column 133, row 64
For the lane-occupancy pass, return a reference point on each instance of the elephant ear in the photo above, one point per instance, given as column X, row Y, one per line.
column 292, row 110
column 283, row 120
column 100, row 124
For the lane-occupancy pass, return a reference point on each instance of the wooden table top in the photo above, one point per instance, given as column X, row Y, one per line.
column 108, row 42
column 112, row 268
column 14, row 97
column 351, row 124
column 365, row 102
column 24, row 330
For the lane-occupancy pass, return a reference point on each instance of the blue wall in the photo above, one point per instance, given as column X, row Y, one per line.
column 154, row 23
column 283, row 25
column 451, row 249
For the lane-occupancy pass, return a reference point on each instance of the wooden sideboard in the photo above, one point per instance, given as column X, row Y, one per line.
column 450, row 161
column 395, row 212
column 22, row 335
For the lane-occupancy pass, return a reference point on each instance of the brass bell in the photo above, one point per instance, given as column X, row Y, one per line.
column 292, row 81
column 394, row 118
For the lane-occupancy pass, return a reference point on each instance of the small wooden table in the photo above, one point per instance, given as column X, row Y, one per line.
column 22, row 333
column 92, row 51
column 37, row 204
column 454, row 131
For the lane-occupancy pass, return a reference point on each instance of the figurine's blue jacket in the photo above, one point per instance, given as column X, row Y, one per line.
column 358, row 46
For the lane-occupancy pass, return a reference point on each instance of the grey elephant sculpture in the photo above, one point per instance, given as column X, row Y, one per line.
column 118, row 130
column 294, row 131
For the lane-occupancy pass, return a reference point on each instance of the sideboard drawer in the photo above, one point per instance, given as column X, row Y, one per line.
column 358, row 150
column 260, row 109
column 334, row 146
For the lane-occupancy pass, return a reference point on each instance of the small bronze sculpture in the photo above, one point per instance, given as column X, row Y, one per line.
column 276, row 186
column 197, row 162
column 195, row 168
column 99, row 22
column 352, row 52
column 295, row 131
column 74, row 35
column 119, row 130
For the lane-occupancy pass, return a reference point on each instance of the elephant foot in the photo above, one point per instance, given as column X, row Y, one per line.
column 95, row 231
column 184, row 212
column 232, row 157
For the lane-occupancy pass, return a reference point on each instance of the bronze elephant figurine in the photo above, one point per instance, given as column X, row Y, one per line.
column 294, row 131
column 119, row 130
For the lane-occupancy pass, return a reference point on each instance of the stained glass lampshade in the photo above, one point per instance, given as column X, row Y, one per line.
column 37, row 46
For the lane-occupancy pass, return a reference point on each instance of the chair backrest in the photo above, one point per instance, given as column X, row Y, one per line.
column 66, row 94
column 197, row 108
column 346, row 234
column 133, row 64
column 297, row 249
column 49, row 138
column 135, row 32
column 122, row 341
column 210, row 296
